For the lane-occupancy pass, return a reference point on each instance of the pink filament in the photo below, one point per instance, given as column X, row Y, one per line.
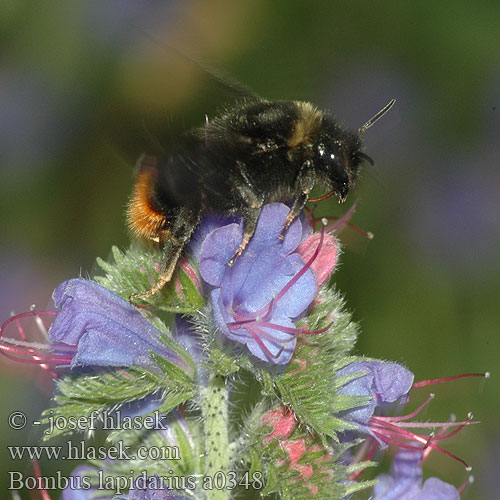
column 366, row 234
column 391, row 433
column 261, row 344
column 43, row 492
column 363, row 456
column 343, row 220
column 340, row 222
column 32, row 352
column 467, row 482
column 296, row 277
column 441, row 380
column 412, row 414
column 293, row 330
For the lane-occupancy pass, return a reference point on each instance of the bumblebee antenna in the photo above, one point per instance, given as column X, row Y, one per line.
column 375, row 118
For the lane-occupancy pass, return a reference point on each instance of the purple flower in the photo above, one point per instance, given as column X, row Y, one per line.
column 145, row 488
column 257, row 300
column 79, row 485
column 405, row 481
column 103, row 328
column 384, row 383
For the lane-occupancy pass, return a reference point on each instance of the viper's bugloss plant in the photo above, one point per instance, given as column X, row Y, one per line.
column 246, row 370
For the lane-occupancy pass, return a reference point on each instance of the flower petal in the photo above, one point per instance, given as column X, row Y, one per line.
column 435, row 489
column 384, row 382
column 216, row 250
column 324, row 264
column 251, row 285
column 405, row 481
column 106, row 329
column 78, row 487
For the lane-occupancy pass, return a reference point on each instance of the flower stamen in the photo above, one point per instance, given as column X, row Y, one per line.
column 38, row 474
column 413, row 413
column 433, row 381
column 397, row 434
column 36, row 353
column 467, row 482
column 364, row 454
column 261, row 344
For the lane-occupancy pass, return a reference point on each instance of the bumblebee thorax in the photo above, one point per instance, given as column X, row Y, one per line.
column 306, row 127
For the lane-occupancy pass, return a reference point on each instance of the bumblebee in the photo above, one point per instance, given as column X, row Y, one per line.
column 253, row 153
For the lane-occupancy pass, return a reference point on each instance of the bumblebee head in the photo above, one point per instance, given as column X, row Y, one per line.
column 336, row 157
column 337, row 154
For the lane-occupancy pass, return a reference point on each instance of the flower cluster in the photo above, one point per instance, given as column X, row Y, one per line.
column 314, row 415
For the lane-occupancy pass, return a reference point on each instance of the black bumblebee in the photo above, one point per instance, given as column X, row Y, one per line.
column 253, row 153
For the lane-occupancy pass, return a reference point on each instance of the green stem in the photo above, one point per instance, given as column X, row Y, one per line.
column 217, row 455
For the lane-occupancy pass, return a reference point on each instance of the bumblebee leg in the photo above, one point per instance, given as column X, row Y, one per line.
column 172, row 242
column 251, row 217
column 303, row 187
column 253, row 202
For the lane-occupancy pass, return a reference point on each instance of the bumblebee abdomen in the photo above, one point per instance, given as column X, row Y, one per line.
column 145, row 218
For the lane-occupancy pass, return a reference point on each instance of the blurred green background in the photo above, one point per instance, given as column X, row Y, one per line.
column 77, row 77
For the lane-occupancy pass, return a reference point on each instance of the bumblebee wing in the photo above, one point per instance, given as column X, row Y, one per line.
column 160, row 93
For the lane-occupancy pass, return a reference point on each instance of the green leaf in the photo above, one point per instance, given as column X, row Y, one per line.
column 137, row 269
column 309, row 385
column 222, row 363
column 80, row 395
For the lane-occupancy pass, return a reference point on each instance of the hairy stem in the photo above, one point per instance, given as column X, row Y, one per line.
column 215, row 424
